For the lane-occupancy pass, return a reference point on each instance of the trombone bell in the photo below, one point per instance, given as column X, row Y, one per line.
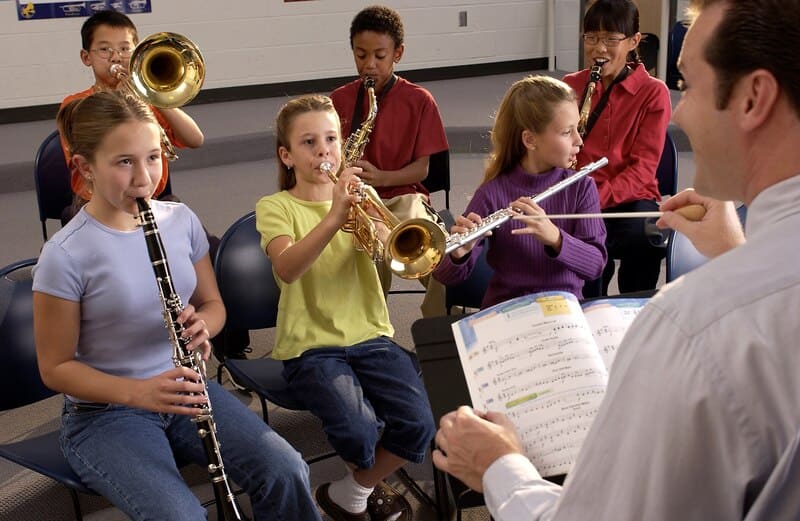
column 167, row 70
column 414, row 248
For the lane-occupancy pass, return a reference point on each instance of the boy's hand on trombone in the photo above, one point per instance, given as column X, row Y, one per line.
column 718, row 231
column 542, row 229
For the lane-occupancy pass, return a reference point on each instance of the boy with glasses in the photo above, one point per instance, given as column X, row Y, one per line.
column 108, row 38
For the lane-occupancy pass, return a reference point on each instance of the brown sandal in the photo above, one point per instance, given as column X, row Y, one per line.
column 385, row 502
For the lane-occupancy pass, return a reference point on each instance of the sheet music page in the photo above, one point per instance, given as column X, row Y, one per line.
column 534, row 359
column 609, row 320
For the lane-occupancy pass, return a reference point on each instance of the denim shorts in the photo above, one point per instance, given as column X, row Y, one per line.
column 365, row 394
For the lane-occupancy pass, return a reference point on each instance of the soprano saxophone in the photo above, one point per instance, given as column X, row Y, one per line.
column 594, row 77
column 181, row 356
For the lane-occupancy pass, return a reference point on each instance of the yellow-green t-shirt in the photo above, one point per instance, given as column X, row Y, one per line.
column 338, row 301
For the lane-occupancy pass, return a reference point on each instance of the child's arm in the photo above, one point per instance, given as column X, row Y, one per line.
column 466, row 224
column 414, row 172
column 56, row 324
column 542, row 229
column 290, row 259
column 184, row 128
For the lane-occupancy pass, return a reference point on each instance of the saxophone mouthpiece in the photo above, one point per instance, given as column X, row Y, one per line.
column 596, row 70
column 369, row 82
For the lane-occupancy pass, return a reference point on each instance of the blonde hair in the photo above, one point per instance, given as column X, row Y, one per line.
column 84, row 123
column 530, row 105
column 283, row 127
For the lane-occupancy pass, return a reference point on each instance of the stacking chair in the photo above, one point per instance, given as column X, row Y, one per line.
column 21, row 385
column 683, row 257
column 648, row 50
column 51, row 177
column 667, row 169
column 667, row 176
column 439, row 175
column 250, row 293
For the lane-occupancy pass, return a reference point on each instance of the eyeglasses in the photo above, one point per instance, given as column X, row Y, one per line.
column 608, row 41
column 107, row 52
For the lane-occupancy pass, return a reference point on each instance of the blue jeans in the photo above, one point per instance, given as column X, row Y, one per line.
column 364, row 394
column 128, row 456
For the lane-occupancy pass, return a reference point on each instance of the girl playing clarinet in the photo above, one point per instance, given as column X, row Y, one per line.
column 100, row 336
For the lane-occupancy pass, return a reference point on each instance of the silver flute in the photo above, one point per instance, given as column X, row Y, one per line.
column 493, row 220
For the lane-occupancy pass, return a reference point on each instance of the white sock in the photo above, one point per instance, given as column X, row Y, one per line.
column 349, row 495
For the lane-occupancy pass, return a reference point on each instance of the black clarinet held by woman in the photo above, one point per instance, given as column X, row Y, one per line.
column 181, row 356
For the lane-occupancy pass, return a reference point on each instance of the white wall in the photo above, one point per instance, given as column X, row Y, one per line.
column 251, row 42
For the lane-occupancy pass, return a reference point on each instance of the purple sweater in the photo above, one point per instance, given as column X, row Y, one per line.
column 521, row 264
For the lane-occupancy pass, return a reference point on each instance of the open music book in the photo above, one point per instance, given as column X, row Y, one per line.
column 543, row 360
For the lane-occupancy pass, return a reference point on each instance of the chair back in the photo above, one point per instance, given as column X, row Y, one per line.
column 439, row 175
column 648, row 50
column 682, row 256
column 52, row 180
column 20, row 382
column 667, row 170
column 469, row 293
column 674, row 45
column 245, row 278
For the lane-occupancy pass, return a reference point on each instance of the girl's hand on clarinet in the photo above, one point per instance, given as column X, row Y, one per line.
column 172, row 392
column 542, row 229
column 196, row 330
column 465, row 224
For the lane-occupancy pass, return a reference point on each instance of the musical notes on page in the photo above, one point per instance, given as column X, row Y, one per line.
column 534, row 358
column 609, row 320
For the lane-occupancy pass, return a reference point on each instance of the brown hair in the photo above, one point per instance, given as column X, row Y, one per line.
column 283, row 127
column 529, row 104
column 754, row 34
column 85, row 122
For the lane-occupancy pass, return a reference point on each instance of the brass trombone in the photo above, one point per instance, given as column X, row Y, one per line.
column 167, row 71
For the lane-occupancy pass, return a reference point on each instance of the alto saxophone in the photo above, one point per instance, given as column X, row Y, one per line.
column 594, row 77
column 360, row 223
column 414, row 247
column 181, row 356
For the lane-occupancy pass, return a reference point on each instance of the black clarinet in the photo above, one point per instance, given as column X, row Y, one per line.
column 171, row 307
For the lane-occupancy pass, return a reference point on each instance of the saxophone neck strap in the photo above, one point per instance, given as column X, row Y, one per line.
column 603, row 100
column 358, row 111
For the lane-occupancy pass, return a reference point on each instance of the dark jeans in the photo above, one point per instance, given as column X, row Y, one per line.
column 365, row 394
column 638, row 245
